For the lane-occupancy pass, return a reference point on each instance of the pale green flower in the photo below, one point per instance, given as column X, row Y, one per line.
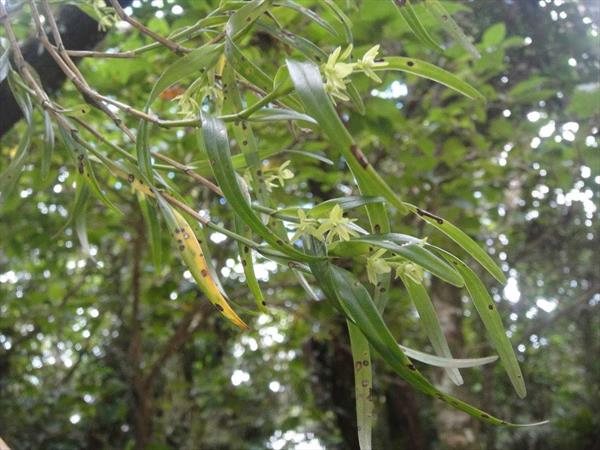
column 306, row 227
column 336, row 71
column 278, row 175
column 367, row 63
column 337, row 225
column 107, row 16
column 376, row 266
column 410, row 270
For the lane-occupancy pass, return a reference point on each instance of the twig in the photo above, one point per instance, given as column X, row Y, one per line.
column 96, row 54
column 173, row 46
column 73, row 75
column 189, row 172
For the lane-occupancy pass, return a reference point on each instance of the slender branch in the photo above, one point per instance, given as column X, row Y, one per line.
column 173, row 46
column 97, row 54
column 189, row 172
column 74, row 76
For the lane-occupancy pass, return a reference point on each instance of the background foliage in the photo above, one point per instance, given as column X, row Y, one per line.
column 85, row 362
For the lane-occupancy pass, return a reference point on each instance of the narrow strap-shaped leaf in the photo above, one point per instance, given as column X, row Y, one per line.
column 461, row 238
column 248, row 266
column 347, row 203
column 79, row 204
column 312, row 155
column 246, row 68
column 408, row 13
column 80, row 219
column 202, row 166
column 85, row 168
column 363, row 384
column 217, row 147
column 306, row 285
column 356, row 98
column 194, row 63
column 253, row 73
column 244, row 134
column 341, row 286
column 10, row 176
column 431, row 324
column 303, row 45
column 153, row 229
column 4, row 59
column 486, row 308
column 343, row 19
column 244, row 17
column 439, row 361
column 309, row 86
column 279, row 114
column 431, row 72
column 412, row 19
column 193, row 257
column 414, row 252
column 49, row 141
column 450, row 25
column 308, row 13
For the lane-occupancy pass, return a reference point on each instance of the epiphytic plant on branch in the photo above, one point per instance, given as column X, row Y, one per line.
column 226, row 97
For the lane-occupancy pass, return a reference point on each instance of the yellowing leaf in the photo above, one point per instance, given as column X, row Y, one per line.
column 192, row 255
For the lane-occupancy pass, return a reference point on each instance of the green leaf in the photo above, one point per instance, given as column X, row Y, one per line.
column 341, row 287
column 153, row 228
column 347, row 203
column 308, row 13
column 490, row 317
column 49, row 141
column 79, row 213
column 10, row 175
column 303, row 45
column 312, row 155
column 494, row 35
column 425, row 70
column 342, row 18
column 244, row 17
column 309, row 86
column 459, row 236
column 279, row 114
column 356, row 98
column 411, row 18
column 438, row 361
column 248, row 266
column 217, row 147
column 4, row 59
column 431, row 324
column 254, row 74
column 194, row 63
column 363, row 384
column 79, row 205
column 85, row 168
column 453, row 29
column 406, row 247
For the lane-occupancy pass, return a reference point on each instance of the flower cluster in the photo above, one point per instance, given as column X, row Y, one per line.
column 337, row 70
column 336, row 226
column 106, row 15
column 377, row 265
column 277, row 176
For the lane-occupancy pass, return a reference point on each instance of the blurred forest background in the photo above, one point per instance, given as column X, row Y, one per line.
column 107, row 353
